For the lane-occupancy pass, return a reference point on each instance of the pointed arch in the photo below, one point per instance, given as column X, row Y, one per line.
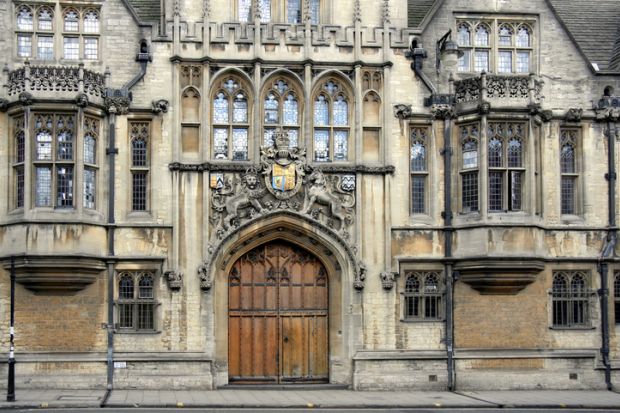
column 282, row 107
column 231, row 113
column 333, row 109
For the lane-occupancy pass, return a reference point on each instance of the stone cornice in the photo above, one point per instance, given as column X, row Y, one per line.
column 287, row 63
column 241, row 167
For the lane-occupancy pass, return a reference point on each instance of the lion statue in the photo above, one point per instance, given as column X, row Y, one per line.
column 244, row 194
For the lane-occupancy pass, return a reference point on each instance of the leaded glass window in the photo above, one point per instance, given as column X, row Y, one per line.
column 139, row 136
column 331, row 122
column 54, row 159
column 45, row 18
column 494, row 45
column 18, row 160
column 423, row 295
column 91, row 21
column 293, row 11
column 71, row 48
column 570, row 299
column 230, row 121
column 90, row 188
column 24, row 45
column 90, row 149
column 617, row 297
column 469, row 138
column 281, row 111
column 24, row 19
column 418, row 138
column 43, row 186
column 45, row 47
column 135, row 303
column 568, row 170
column 91, row 48
column 71, row 21
column 505, row 162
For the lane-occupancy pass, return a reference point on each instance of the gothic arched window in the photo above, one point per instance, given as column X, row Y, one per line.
column 230, row 119
column 331, row 121
column 282, row 109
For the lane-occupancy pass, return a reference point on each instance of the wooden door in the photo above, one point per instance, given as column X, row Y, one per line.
column 277, row 318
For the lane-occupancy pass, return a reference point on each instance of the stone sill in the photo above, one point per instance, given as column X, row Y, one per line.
column 53, row 357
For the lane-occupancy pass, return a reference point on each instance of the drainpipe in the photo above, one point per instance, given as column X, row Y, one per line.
column 608, row 250
column 111, row 152
column 448, row 231
column 10, row 396
column 442, row 108
column 119, row 98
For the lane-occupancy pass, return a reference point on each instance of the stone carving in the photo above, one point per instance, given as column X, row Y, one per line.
column 442, row 111
column 237, row 195
column 81, row 100
column 319, row 192
column 175, row 280
column 467, row 89
column 176, row 8
column 205, row 277
column 484, row 107
column 26, row 98
column 360, row 276
column 387, row 279
column 17, row 81
column 402, row 111
column 573, row 115
column 159, row 106
column 282, row 183
column 496, row 86
column 348, row 183
column 518, row 87
column 94, row 83
column 357, row 11
column 386, row 12
column 117, row 104
column 206, row 9
column 4, row 105
column 283, row 168
column 64, row 79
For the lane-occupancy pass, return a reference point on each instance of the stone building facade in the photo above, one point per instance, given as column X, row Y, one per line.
column 378, row 194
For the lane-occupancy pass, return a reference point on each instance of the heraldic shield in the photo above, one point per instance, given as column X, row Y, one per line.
column 283, row 177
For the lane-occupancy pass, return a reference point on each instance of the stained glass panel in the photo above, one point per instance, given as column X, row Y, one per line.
column 244, row 10
column 523, row 37
column 24, row 19
column 271, row 109
column 463, row 38
column 71, row 21
column 240, row 144
column 341, row 144
column 90, row 149
column 269, row 137
column 418, row 157
column 44, row 146
column 64, row 150
column 64, row 186
column 240, row 109
column 341, row 111
column 91, row 22
column 220, row 143
column 89, row 188
column 315, row 11
column 290, row 111
column 321, row 145
column 220, row 109
column 321, row 113
column 293, row 11
column 482, row 36
column 293, row 136
column 43, row 186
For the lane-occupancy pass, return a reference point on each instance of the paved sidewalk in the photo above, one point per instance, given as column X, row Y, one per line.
column 253, row 398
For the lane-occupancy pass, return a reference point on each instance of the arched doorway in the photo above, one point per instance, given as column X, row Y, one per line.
column 278, row 316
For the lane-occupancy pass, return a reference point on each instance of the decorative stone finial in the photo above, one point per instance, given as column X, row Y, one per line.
column 387, row 279
column 386, row 12
column 357, row 11
column 206, row 9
